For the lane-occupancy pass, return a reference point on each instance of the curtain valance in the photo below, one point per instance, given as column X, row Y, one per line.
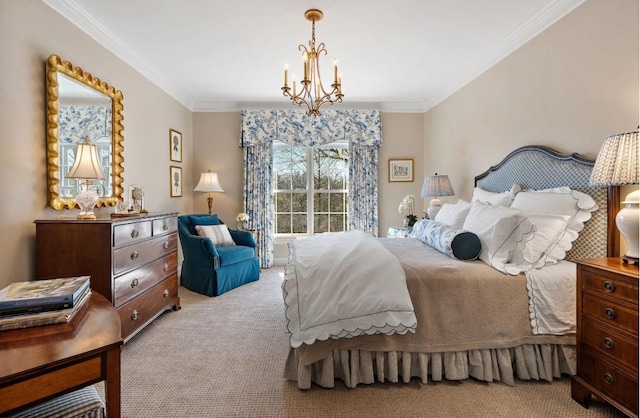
column 294, row 127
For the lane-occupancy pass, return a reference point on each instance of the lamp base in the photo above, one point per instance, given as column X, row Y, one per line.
column 87, row 198
column 434, row 207
column 627, row 222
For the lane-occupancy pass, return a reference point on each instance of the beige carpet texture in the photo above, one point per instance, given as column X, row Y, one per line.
column 224, row 357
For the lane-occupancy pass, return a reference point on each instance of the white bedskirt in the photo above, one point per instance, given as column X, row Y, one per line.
column 526, row 362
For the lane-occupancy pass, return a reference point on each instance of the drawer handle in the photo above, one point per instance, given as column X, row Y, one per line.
column 165, row 226
column 609, row 287
column 608, row 343
column 610, row 313
column 165, row 245
column 165, row 267
column 134, row 255
column 134, row 315
column 165, row 293
column 608, row 379
column 134, row 283
column 134, row 233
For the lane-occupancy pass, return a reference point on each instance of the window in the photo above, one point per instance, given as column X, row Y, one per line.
column 310, row 188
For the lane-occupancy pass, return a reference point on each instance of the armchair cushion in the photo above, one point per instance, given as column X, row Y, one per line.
column 194, row 220
column 219, row 234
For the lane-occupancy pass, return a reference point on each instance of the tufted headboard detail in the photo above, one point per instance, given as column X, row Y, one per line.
column 539, row 167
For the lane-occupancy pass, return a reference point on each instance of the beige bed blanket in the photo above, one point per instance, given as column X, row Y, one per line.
column 459, row 305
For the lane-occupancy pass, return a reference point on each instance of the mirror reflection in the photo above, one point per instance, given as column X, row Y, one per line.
column 81, row 107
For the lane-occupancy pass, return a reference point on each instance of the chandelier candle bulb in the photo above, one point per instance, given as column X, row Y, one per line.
column 286, row 75
column 335, row 70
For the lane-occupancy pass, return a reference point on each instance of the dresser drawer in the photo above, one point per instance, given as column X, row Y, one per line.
column 606, row 284
column 137, row 281
column 610, row 343
column 165, row 226
column 134, row 256
column 613, row 314
column 136, row 313
column 609, row 379
column 129, row 233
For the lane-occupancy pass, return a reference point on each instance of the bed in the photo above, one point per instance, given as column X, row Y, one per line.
column 472, row 320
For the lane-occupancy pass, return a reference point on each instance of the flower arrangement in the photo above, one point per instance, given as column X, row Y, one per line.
column 408, row 204
column 242, row 217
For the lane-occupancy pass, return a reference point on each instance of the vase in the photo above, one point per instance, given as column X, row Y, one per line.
column 405, row 222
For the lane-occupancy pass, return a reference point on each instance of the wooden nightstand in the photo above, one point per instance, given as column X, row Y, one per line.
column 607, row 334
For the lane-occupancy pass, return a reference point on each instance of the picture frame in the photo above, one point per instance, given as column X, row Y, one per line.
column 175, row 146
column 400, row 169
column 175, row 181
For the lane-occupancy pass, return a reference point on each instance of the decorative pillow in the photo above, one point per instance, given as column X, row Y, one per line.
column 201, row 220
column 453, row 215
column 543, row 249
column 575, row 206
column 456, row 243
column 503, row 233
column 219, row 234
column 498, row 199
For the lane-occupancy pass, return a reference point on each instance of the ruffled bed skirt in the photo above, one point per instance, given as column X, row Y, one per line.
column 526, row 362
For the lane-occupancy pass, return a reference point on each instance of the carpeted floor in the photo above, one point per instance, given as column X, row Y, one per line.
column 224, row 357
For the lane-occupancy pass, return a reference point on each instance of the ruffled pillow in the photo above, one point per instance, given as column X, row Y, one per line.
column 503, row 233
column 572, row 206
column 456, row 243
column 497, row 199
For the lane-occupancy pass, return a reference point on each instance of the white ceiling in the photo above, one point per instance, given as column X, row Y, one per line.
column 401, row 56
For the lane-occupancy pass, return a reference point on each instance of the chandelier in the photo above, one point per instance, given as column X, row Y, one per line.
column 312, row 93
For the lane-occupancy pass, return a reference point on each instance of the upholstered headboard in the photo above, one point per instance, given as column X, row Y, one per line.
column 539, row 167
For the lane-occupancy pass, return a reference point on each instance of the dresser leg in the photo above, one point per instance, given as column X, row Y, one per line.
column 580, row 393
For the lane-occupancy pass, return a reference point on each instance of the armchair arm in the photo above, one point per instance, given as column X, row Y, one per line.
column 243, row 238
column 198, row 249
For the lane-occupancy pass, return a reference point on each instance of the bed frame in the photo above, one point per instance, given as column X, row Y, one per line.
column 534, row 167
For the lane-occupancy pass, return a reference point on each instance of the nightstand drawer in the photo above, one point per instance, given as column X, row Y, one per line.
column 610, row 343
column 606, row 284
column 609, row 379
column 614, row 314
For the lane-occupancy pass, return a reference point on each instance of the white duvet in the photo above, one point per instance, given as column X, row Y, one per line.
column 344, row 284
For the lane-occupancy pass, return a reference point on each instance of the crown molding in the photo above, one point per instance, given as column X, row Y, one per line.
column 73, row 11
column 232, row 106
column 546, row 17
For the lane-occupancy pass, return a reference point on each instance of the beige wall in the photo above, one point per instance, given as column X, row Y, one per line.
column 30, row 31
column 568, row 88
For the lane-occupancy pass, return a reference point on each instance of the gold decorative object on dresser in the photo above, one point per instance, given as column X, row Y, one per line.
column 132, row 261
column 607, row 334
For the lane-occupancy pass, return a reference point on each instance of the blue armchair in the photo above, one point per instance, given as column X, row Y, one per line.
column 213, row 270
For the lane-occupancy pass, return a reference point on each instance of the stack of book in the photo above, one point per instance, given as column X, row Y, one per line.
column 42, row 302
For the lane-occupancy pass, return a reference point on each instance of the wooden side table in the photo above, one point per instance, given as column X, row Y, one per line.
column 41, row 363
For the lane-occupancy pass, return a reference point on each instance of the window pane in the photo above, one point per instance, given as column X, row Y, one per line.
column 338, row 202
column 320, row 224
column 283, row 202
column 299, row 224
column 282, row 167
column 321, row 202
column 298, row 202
column 299, row 168
column 337, row 223
column 283, row 224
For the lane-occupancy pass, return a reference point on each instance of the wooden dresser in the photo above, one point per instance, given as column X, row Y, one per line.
column 132, row 262
column 607, row 339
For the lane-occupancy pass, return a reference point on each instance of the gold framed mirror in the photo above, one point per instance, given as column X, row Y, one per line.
column 81, row 106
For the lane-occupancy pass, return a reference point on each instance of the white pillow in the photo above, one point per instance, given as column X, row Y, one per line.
column 542, row 249
column 219, row 234
column 453, row 215
column 575, row 206
column 498, row 199
column 503, row 233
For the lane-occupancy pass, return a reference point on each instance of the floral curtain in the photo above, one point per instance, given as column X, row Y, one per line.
column 360, row 128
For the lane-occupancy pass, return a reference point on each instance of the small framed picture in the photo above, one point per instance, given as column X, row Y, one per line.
column 401, row 169
column 175, row 145
column 175, row 180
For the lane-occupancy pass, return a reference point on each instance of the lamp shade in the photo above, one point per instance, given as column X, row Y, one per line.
column 438, row 185
column 617, row 161
column 208, row 183
column 86, row 164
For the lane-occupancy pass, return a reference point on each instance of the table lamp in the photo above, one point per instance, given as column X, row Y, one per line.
column 86, row 167
column 617, row 165
column 209, row 183
column 436, row 186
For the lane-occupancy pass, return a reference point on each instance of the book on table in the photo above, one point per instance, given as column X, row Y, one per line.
column 34, row 319
column 42, row 295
